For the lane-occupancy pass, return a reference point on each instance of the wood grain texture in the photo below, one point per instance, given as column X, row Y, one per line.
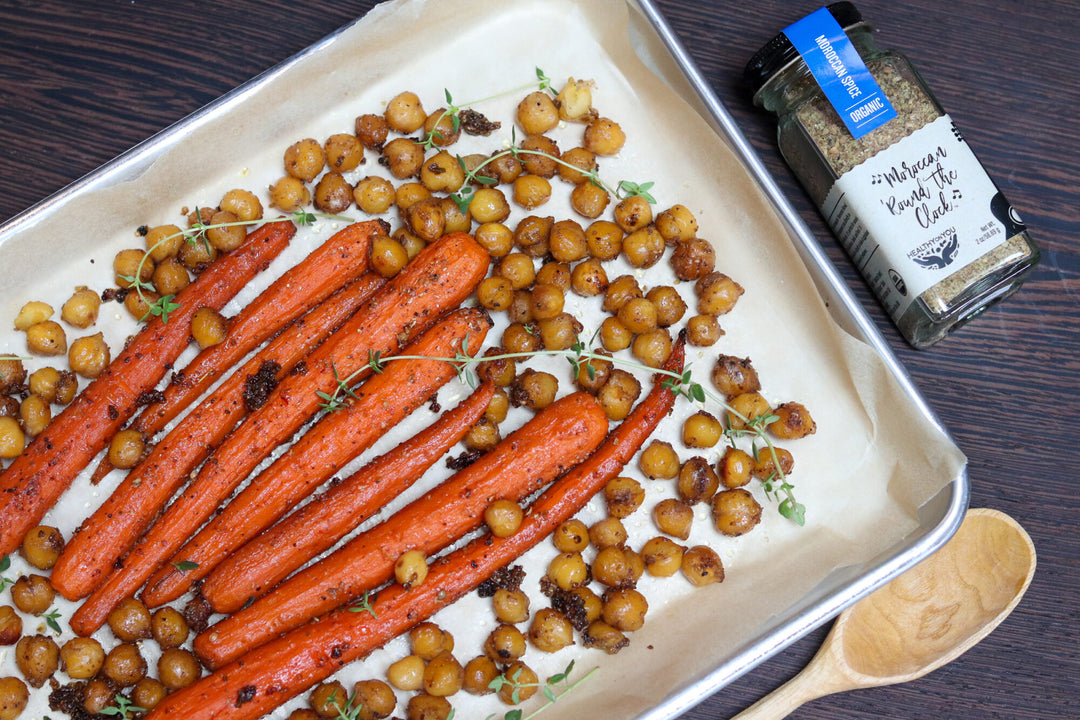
column 82, row 82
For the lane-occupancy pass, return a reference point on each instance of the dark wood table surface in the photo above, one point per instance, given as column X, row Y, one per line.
column 81, row 82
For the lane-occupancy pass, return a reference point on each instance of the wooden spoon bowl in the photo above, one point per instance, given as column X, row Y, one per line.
column 924, row 618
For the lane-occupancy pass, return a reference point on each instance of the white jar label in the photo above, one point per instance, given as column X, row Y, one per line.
column 917, row 212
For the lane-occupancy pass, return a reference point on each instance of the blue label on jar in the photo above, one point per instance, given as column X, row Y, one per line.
column 841, row 73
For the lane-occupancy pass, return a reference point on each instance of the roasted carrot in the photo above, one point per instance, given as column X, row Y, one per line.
column 439, row 278
column 335, row 440
column 338, row 261
column 275, row 553
column 34, row 481
column 556, row 438
column 104, row 537
column 262, row 679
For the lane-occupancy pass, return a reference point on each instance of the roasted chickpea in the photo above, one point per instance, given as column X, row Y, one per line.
column 620, row 291
column 615, row 336
column 676, row 224
column 35, row 413
column 589, row 200
column 405, row 113
column 602, row 636
column 505, row 644
column 520, row 310
column 126, row 264
column 148, row 692
column 567, row 242
column 593, row 373
column 504, row 168
column 12, row 438
column 11, row 626
column 511, row 606
column 537, row 113
column 209, row 327
column 623, row 496
column 765, row 465
column 735, row 467
column 46, row 338
column 411, row 568
column 170, row 277
column 178, row 668
column 746, row 407
column 554, row 273
column 428, row 640
column 534, row 389
column 373, row 700
column 633, row 213
column 12, row 375
column 498, row 372
column 479, row 672
column 702, row 566
column 13, row 698
column 403, row 157
column 568, row 570
column 244, row 204
column 653, row 347
column 168, row 627
column 371, row 130
column 607, row 532
column 305, row 159
column 604, row 240
column 32, row 594
column 619, row 394
column 571, row 536
column 702, row 430
column 489, row 205
column 89, row 356
column 559, row 332
column 37, row 657
column 328, row 699
column 734, row 376
column 717, row 293
column 503, row 517
column 374, row 195
column 693, row 259
column 589, row 278
column 225, row 235
column 126, row 449
column 163, row 241
column 540, row 156
column 643, row 248
column 793, row 421
column 604, row 136
column 523, row 688
column 520, row 338
column 333, row 193
column 590, row 606
column 197, row 256
column 662, row 556
column 532, row 235
column 531, row 191
column 610, row 567
column 494, row 237
column 439, row 127
column 36, row 311
column 735, row 512
column 388, row 256
column 659, row 461
column 442, row 173
column 518, row 268
column 41, row 546
column 343, row 152
column 138, row 305
column 583, row 162
column 81, row 309
column 624, row 609
column 411, row 244
column 673, row 517
column 546, row 301
column 638, row 314
column 426, row 219
column 289, row 194
column 408, row 194
column 703, row 330
column 9, row 407
column 697, row 481
column 130, row 620
column 670, row 306
column 550, row 631
column 427, row 707
column 99, row 694
column 407, row 673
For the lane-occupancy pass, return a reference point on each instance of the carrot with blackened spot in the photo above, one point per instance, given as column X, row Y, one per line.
column 555, row 439
column 104, row 537
column 317, row 650
column 37, row 478
column 271, row 556
column 336, row 439
column 442, row 276
column 338, row 261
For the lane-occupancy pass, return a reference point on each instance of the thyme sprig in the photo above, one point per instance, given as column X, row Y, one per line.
column 550, row 689
column 51, row 618
column 352, row 709
column 122, row 708
column 364, row 605
column 5, row 565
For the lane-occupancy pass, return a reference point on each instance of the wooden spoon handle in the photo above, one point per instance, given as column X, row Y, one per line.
column 782, row 702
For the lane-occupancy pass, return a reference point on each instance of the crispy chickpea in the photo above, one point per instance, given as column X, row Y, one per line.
column 550, row 631
column 428, row 640
column 545, row 301
column 520, row 310
column 498, row 372
column 411, row 244
column 638, row 315
column 593, row 373
column 12, row 375
column 662, row 556
column 99, row 694
column 604, row 136
column 124, row 665
column 244, row 204
column 130, row 620
column 559, row 332
column 735, row 467
column 702, row 566
column 746, row 407
column 702, row 430
column 148, row 692
column 439, row 127
column 479, row 672
column 589, row 200
column 624, row 609
column 373, row 194
column 371, row 130
column 12, row 438
column 197, row 256
column 697, row 481
column 623, row 496
column 388, row 256
column 37, row 657
column 163, row 241
column 571, row 536
column 343, row 152
column 494, row 237
column 41, row 546
column 717, row 293
column 531, row 191
column 35, row 414
column 43, row 382
column 407, row 673
column 9, row 407
column 405, row 113
column 735, row 512
column 489, row 205
column 503, row 517
column 225, row 236
column 610, row 567
column 554, row 273
column 652, row 347
column 643, row 248
column 126, row 264
column 734, row 376
column 305, row 159
column 209, row 327
column 583, row 162
column 495, row 293
column 534, row 389
column 590, row 602
column 427, row 707
column 607, row 532
column 518, row 268
column 426, row 219
column 620, row 291
column 456, row 220
column 482, row 436
column 13, row 698
column 36, row 311
column 520, row 338
column 703, row 330
column 511, row 606
column 89, row 356
column 604, row 240
column 46, row 338
column 532, row 235
column 373, row 700
column 442, row 173
column 126, row 449
column 82, row 657
column 589, row 278
column 328, row 699
column 539, row 158
column 177, row 668
column 676, row 224
column 693, row 259
column 504, row 168
column 526, row 684
column 659, row 461
column 411, row 568
column 537, row 113
column 633, row 213
column 170, row 277
column 568, row 570
column 505, row 644
column 567, row 242
column 673, row 517
column 168, row 627
column 67, row 386
column 443, row 675
column 670, row 306
column 765, row 465
column 619, row 393
column 32, row 594
column 408, row 194
column 333, row 193
column 289, row 194
column 11, row 626
column 602, row 636
column 403, row 157
column 793, row 421
column 81, row 309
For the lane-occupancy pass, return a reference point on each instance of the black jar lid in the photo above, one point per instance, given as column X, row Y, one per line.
column 779, row 52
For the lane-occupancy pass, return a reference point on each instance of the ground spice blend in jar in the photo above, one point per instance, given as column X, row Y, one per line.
column 903, row 192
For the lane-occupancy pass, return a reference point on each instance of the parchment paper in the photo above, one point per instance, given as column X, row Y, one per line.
column 862, row 477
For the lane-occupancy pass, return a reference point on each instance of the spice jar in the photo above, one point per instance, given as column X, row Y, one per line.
column 894, row 178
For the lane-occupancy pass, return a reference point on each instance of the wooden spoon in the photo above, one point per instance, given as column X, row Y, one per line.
column 924, row 618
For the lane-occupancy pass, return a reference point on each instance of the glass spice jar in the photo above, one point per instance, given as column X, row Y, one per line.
column 912, row 206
